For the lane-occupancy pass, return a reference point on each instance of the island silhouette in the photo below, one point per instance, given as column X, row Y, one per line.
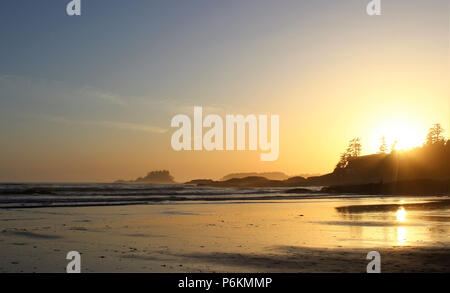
column 160, row 176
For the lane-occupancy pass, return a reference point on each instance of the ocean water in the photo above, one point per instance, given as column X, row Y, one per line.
column 23, row 195
column 30, row 195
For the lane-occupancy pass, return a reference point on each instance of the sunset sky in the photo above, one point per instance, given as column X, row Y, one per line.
column 91, row 98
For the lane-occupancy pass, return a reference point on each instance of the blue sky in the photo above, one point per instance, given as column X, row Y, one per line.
column 138, row 46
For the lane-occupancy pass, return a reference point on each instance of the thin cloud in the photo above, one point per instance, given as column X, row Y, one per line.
column 47, row 89
column 103, row 95
column 109, row 124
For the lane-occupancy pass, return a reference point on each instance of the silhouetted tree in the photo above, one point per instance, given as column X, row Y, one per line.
column 383, row 146
column 435, row 134
column 355, row 147
column 394, row 146
column 343, row 161
column 353, row 150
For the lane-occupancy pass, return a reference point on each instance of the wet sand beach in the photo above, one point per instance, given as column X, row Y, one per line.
column 291, row 235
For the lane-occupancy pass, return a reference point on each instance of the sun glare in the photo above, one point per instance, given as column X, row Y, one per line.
column 402, row 133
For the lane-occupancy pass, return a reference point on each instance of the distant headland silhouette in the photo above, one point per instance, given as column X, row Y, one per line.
column 424, row 169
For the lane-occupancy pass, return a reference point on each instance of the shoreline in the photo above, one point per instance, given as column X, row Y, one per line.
column 437, row 204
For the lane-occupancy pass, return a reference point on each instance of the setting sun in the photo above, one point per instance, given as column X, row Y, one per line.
column 404, row 133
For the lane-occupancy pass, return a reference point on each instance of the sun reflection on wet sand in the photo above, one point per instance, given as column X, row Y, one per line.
column 396, row 222
column 401, row 236
column 401, row 215
column 401, row 231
